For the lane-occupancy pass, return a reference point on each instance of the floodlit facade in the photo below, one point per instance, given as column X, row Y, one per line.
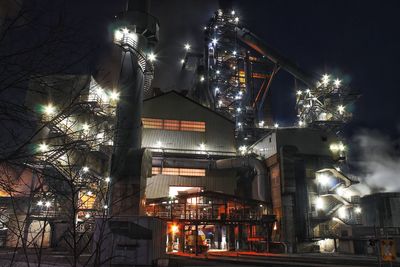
column 187, row 188
column 190, row 136
column 66, row 179
column 205, row 168
column 311, row 196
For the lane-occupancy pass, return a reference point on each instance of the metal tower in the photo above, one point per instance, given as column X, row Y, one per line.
column 236, row 75
column 136, row 33
column 325, row 104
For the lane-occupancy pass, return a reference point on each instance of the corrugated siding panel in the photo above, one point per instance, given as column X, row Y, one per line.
column 158, row 186
column 219, row 135
column 172, row 139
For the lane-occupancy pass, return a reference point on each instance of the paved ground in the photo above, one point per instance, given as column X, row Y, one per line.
column 214, row 259
column 272, row 260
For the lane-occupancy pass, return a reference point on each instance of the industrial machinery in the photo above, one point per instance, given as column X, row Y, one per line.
column 236, row 74
column 134, row 237
column 136, row 33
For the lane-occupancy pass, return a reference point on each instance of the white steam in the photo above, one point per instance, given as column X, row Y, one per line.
column 378, row 163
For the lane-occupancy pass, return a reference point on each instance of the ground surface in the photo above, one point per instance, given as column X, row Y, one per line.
column 214, row 259
column 263, row 259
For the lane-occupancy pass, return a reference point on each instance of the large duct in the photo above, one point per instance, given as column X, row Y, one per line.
column 260, row 179
column 254, row 42
column 136, row 32
column 260, row 182
column 128, row 237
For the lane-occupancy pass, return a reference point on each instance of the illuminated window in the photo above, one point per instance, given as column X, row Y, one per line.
column 87, row 201
column 171, row 125
column 192, row 172
column 152, row 123
column 155, row 170
column 179, row 171
column 170, row 171
column 174, row 125
column 193, row 126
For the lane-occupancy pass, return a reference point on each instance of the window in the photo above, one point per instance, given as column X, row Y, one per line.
column 179, row 171
column 87, row 201
column 174, row 125
column 193, row 126
column 171, row 125
column 170, row 171
column 192, row 172
column 152, row 123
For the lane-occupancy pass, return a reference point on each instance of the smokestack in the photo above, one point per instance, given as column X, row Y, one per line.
column 137, row 30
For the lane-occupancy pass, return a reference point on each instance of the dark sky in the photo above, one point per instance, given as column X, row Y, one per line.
column 358, row 41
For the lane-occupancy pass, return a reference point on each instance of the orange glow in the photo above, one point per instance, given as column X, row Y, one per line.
column 260, row 75
column 174, row 125
column 178, row 171
column 174, row 228
column 87, row 201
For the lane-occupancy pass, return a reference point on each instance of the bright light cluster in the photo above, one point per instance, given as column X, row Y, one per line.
column 243, row 149
column 43, row 203
column 326, row 102
column 187, row 46
column 151, row 57
column 103, row 96
column 337, row 147
column 125, row 36
column 49, row 109
column 319, row 203
column 323, row 179
column 43, row 147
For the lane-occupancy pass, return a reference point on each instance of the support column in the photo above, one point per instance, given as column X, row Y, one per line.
column 217, row 236
column 181, row 237
column 231, row 237
column 196, row 237
column 240, row 236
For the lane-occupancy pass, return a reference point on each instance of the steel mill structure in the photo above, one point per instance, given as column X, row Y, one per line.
column 126, row 173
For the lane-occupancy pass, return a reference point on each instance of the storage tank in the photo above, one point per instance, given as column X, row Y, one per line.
column 381, row 209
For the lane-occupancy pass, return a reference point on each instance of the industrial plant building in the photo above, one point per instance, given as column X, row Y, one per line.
column 140, row 173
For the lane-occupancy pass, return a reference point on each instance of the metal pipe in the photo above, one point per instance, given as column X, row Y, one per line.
column 128, row 132
column 260, row 179
column 182, row 163
column 260, row 183
column 128, row 159
column 254, row 42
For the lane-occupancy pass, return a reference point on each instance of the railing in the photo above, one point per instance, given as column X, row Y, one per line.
column 192, row 215
column 128, row 42
column 46, row 213
column 192, row 151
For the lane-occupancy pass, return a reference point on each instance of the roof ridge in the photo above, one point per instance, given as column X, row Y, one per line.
column 187, row 98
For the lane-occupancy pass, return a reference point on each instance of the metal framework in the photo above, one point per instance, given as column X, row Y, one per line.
column 208, row 207
column 77, row 133
column 238, row 77
column 326, row 104
column 245, row 220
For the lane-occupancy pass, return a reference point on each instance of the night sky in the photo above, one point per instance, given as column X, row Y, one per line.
column 357, row 41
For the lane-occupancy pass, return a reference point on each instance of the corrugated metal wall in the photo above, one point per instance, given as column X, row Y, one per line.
column 173, row 139
column 219, row 135
column 222, row 181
